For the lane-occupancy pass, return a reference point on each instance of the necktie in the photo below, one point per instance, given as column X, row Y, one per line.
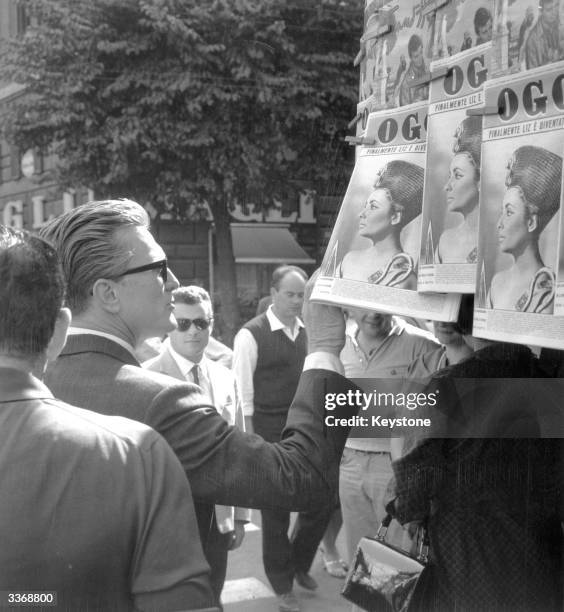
column 195, row 376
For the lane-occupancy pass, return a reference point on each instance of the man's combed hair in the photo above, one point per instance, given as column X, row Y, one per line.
column 31, row 293
column 190, row 295
column 85, row 239
column 281, row 271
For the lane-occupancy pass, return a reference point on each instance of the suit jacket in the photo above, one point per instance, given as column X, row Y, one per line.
column 227, row 402
column 95, row 508
column 223, row 464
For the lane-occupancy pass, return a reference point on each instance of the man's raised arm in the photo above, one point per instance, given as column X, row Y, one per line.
column 300, row 472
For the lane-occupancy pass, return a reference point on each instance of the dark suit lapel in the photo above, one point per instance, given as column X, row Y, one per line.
column 90, row 343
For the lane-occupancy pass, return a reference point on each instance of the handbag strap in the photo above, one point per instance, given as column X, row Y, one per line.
column 424, row 544
column 423, row 547
column 381, row 533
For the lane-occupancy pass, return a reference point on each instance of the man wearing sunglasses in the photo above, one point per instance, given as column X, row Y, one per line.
column 120, row 294
column 183, row 357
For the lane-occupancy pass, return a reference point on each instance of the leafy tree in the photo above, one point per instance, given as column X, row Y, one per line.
column 176, row 102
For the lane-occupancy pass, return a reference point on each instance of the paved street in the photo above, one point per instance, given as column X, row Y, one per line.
column 248, row 590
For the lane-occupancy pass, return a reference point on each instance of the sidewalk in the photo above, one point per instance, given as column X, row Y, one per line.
column 247, row 588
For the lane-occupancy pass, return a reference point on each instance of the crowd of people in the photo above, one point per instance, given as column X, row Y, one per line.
column 126, row 484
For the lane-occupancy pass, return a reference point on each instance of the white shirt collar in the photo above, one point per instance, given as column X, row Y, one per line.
column 185, row 365
column 76, row 331
column 276, row 323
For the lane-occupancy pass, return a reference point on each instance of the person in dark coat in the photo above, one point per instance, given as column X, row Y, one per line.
column 489, row 490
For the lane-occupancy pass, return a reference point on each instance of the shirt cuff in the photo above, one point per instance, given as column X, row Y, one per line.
column 321, row 360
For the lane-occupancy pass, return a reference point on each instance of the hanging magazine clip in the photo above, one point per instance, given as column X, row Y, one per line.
column 438, row 73
column 359, row 56
column 354, row 121
column 434, row 5
column 375, row 33
column 484, row 110
column 355, row 140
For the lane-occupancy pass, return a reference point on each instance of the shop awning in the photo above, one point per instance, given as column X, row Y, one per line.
column 255, row 243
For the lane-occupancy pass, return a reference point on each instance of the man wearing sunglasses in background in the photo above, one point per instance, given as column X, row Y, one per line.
column 120, row 293
column 183, row 357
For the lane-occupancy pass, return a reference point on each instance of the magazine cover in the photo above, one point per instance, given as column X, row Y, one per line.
column 559, row 297
column 396, row 49
column 449, row 240
column 461, row 25
column 527, row 34
column 371, row 259
column 520, row 217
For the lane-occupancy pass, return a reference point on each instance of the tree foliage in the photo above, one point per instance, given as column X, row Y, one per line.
column 210, row 99
column 177, row 101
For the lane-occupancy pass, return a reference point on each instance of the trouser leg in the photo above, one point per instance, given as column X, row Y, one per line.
column 215, row 546
column 276, row 550
column 362, row 486
column 306, row 535
column 363, row 482
column 216, row 554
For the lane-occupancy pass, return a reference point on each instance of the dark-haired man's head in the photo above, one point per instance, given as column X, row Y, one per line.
column 33, row 322
column 193, row 311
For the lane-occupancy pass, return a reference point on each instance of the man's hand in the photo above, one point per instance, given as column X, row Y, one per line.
column 325, row 325
column 238, row 535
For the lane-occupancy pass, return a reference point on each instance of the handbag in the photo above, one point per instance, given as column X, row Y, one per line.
column 382, row 577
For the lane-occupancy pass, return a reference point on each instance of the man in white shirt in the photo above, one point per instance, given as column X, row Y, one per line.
column 183, row 356
column 282, row 323
column 269, row 353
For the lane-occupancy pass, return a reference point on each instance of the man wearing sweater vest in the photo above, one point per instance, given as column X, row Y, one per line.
column 269, row 353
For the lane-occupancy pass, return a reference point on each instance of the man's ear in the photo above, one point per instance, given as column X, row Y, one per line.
column 106, row 295
column 59, row 337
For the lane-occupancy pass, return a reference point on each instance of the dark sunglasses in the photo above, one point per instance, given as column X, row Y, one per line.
column 161, row 265
column 199, row 324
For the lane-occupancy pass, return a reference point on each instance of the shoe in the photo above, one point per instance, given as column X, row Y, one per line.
column 336, row 568
column 288, row 602
column 305, row 581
